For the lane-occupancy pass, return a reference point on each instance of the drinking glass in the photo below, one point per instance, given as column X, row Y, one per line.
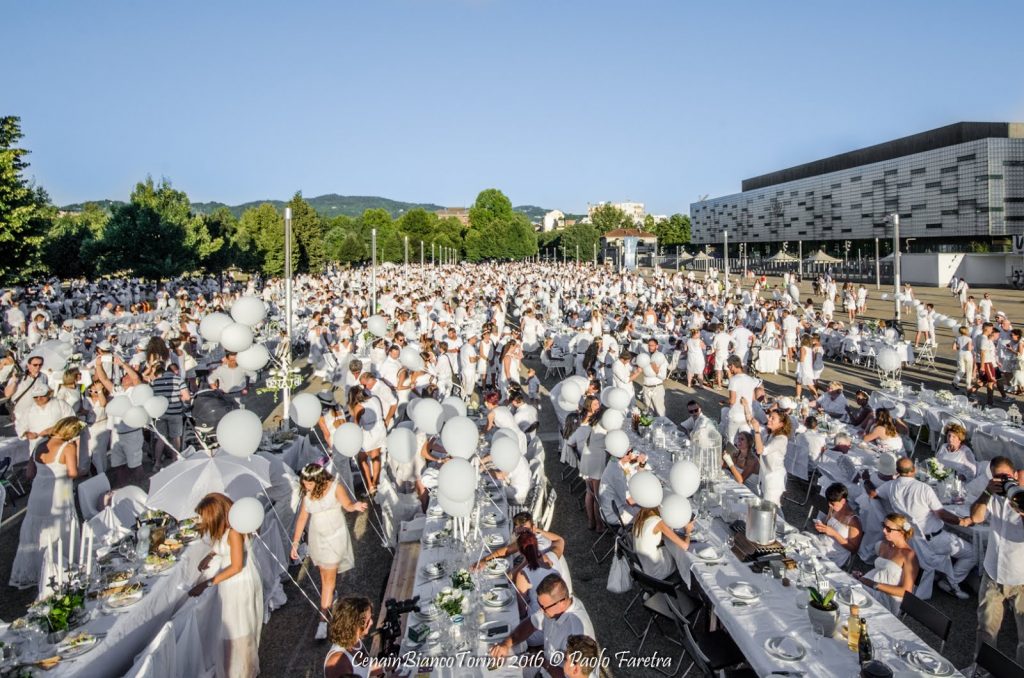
column 817, row 637
column 900, row 648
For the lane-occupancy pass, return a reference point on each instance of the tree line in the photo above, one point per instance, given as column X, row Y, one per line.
column 156, row 234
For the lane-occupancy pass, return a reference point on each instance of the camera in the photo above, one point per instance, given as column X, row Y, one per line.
column 390, row 630
column 1012, row 490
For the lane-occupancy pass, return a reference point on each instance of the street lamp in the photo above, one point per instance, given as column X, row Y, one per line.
column 287, row 399
column 373, row 275
column 725, row 241
column 421, row 252
column 406, row 250
column 895, row 219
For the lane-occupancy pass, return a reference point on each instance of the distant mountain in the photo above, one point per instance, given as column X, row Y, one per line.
column 330, row 205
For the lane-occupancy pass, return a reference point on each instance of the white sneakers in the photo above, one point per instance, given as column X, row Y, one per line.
column 953, row 589
column 321, row 631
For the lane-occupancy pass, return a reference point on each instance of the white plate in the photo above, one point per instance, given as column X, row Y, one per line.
column 68, row 652
column 744, row 591
column 431, row 574
column 158, row 567
column 435, row 512
column 497, row 597
column 929, row 662
column 496, row 567
column 122, row 603
column 429, row 612
column 709, row 554
column 856, row 597
column 494, row 540
column 785, row 648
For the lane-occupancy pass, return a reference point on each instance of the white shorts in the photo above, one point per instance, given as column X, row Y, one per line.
column 127, row 451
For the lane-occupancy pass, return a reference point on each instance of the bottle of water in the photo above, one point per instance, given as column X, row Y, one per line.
column 142, row 547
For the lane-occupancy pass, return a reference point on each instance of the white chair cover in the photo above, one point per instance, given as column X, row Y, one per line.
column 90, row 493
column 159, row 659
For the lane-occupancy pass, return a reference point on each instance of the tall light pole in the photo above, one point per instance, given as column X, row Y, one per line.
column 725, row 242
column 431, row 254
column 577, row 253
column 800, row 258
column 287, row 399
column 373, row 274
column 896, row 263
column 406, row 250
column 421, row 252
column 878, row 268
column 595, row 255
column 846, row 254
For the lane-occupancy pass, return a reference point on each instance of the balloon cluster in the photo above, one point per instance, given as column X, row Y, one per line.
column 647, row 492
column 138, row 406
column 235, row 332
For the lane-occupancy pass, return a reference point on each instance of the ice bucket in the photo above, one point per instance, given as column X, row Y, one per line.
column 761, row 522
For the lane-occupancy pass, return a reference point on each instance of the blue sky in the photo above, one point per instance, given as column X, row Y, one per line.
column 556, row 102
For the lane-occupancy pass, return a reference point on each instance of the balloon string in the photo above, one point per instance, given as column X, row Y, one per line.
column 166, row 442
column 297, row 585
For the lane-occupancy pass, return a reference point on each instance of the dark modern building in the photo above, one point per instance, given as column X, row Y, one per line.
column 951, row 186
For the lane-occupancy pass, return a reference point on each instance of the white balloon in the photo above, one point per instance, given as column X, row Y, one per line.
column 676, row 511
column 684, row 478
column 642, row 360
column 570, row 393
column 254, row 358
column 646, row 489
column 211, row 326
column 616, row 443
column 505, row 454
column 411, row 359
column 427, row 416
column 456, row 509
column 402, row 445
column 459, row 437
column 659, row 359
column 119, row 405
column 248, row 311
column 619, row 399
column 136, row 416
column 567, row 406
column 649, row 371
column 899, row 410
column 378, row 325
column 453, row 406
column 140, row 394
column 457, row 480
column 950, row 323
column 239, row 432
column 612, row 420
column 304, row 410
column 236, row 337
column 347, row 439
column 156, row 406
column 888, row 360
column 246, row 515
column 581, row 382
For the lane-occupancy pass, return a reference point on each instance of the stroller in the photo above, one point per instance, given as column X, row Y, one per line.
column 208, row 408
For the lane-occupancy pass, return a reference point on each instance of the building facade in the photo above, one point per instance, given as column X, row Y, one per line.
column 960, row 182
column 635, row 210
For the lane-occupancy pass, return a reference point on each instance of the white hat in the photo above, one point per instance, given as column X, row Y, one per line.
column 38, row 389
column 786, row 403
column 887, row 464
column 105, row 346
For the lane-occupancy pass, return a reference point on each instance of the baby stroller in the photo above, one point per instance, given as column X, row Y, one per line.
column 208, row 408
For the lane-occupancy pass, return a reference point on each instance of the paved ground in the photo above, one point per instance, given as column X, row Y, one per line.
column 288, row 648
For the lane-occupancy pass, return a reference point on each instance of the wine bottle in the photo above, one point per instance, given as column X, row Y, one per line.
column 865, row 652
column 853, row 628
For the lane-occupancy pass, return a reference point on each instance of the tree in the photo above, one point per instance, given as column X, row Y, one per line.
column 24, row 215
column 155, row 235
column 263, row 227
column 496, row 231
column 222, row 225
column 608, row 217
column 70, row 246
column 585, row 236
column 308, row 229
column 673, row 231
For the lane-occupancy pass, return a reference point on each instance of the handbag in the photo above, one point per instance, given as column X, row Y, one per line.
column 619, row 580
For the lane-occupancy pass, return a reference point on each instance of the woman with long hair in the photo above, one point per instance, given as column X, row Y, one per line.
column 772, row 452
column 887, row 431
column 365, row 410
column 741, row 461
column 330, row 546
column 649, row 531
column 350, row 624
column 592, row 459
column 230, row 569
column 532, row 570
column 97, row 435
column 511, row 358
column 896, row 566
column 50, row 513
column 805, row 367
column 842, row 526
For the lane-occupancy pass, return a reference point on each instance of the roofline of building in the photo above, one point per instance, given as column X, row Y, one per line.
column 950, row 135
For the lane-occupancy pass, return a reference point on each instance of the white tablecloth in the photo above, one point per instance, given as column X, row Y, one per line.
column 768, row 361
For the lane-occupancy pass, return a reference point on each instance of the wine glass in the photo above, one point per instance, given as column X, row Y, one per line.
column 817, row 636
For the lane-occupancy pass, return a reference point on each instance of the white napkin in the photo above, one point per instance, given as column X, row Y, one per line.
column 708, row 553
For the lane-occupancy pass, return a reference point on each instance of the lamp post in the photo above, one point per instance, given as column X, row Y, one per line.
column 406, row 250
column 431, row 254
column 373, row 275
column 287, row 399
column 725, row 242
column 896, row 263
column 878, row 268
column 846, row 254
column 595, row 255
column 421, row 252
column 577, row 253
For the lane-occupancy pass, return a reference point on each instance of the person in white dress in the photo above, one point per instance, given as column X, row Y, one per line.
column 841, row 527
column 887, row 432
column 695, row 360
column 230, row 569
column 350, row 624
column 649, row 531
column 772, row 452
column 366, row 410
column 533, row 568
column 956, row 455
column 896, row 566
column 50, row 513
column 805, row 368
column 330, row 545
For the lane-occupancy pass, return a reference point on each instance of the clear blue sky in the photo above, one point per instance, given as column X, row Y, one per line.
column 556, row 102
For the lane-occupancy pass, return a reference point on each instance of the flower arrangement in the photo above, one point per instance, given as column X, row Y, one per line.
column 937, row 471
column 57, row 613
column 451, row 602
column 823, row 600
column 281, row 379
column 944, row 397
column 462, row 580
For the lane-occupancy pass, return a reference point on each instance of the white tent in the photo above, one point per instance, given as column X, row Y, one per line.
column 820, row 257
column 781, row 256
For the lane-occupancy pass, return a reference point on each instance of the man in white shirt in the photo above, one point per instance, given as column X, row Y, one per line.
column 560, row 616
column 742, row 338
column 1002, row 578
column 17, row 390
column 381, row 391
column 917, row 500
column 468, row 357
column 654, row 377
column 390, row 366
column 622, row 371
column 741, row 387
column 613, row 491
column 230, row 378
column 834, row 402
column 39, row 417
column 985, row 307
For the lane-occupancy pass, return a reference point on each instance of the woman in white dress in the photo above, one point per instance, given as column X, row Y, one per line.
column 741, row 461
column 896, row 566
column 50, row 513
column 350, row 625
column 592, row 458
column 330, row 546
column 366, row 410
column 511, row 357
column 230, row 569
column 842, row 527
column 805, row 368
column 887, row 432
column 695, row 360
column 956, row 455
column 772, row 453
column 97, row 435
column 532, row 570
column 649, row 531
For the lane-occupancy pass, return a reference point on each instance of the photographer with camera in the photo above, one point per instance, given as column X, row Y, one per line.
column 1003, row 576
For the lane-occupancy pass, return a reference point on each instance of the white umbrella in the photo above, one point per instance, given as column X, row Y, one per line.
column 55, row 354
column 178, row 488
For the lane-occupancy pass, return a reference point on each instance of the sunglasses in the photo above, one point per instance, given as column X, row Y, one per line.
column 551, row 605
column 35, row 364
column 886, row 528
column 695, row 411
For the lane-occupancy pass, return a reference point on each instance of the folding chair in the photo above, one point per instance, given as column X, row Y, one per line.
column 549, row 510
column 656, row 595
column 927, row 616
column 12, row 482
column 812, row 484
column 818, row 504
column 612, row 527
column 716, row 654
column 925, row 354
column 996, row 663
